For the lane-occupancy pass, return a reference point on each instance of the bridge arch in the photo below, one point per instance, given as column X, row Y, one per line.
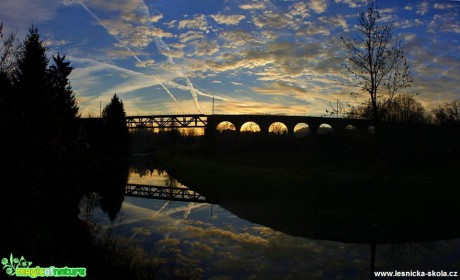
column 301, row 130
column 250, row 126
column 225, row 126
column 325, row 128
column 350, row 127
column 278, row 128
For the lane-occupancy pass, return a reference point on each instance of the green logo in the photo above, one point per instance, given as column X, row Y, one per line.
column 14, row 263
column 21, row 268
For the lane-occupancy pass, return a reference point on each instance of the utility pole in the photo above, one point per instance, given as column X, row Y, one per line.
column 213, row 104
column 100, row 109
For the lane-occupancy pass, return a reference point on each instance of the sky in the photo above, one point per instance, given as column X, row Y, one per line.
column 233, row 56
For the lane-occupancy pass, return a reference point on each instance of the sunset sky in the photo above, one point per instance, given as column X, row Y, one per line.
column 285, row 56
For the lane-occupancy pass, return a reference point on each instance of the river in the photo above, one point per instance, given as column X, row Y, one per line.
column 217, row 241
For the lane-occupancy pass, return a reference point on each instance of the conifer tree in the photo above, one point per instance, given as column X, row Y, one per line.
column 64, row 97
column 116, row 131
column 33, row 99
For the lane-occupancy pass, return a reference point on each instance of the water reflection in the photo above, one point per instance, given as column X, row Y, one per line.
column 263, row 239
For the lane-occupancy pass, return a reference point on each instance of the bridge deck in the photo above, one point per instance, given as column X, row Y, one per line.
column 165, row 193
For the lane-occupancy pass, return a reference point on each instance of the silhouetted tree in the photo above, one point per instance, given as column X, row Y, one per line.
column 278, row 128
column 64, row 97
column 376, row 61
column 403, row 108
column 33, row 115
column 31, row 71
column 33, row 97
column 116, row 131
column 449, row 112
column 112, row 187
column 225, row 126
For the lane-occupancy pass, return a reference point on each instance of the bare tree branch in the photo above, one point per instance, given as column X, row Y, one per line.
column 7, row 50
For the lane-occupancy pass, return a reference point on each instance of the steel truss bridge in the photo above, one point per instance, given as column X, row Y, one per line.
column 167, row 121
column 165, row 193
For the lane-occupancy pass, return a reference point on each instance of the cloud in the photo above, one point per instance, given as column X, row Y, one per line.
column 130, row 21
column 157, row 32
column 409, row 36
column 448, row 22
column 446, row 6
column 408, row 23
column 434, row 73
column 282, row 88
column 50, row 41
column 145, row 63
column 237, row 38
column 254, row 105
column 228, row 19
column 252, row 6
column 313, row 28
column 335, row 21
column 156, row 18
column 272, row 20
column 318, row 6
column 228, row 62
column 353, row 3
column 422, row 8
column 172, row 53
column 134, row 35
column 299, row 9
column 197, row 22
column 190, row 36
column 206, row 47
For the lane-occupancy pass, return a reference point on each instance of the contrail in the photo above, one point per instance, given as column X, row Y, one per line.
column 163, row 46
column 186, row 214
column 161, row 209
column 107, row 29
column 129, row 50
column 199, row 92
column 189, row 209
column 194, row 94
column 170, row 94
column 153, row 216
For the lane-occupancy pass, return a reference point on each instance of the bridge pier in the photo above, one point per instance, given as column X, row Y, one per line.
column 313, row 128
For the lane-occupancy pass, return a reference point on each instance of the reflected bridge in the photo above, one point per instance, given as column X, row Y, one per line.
column 165, row 193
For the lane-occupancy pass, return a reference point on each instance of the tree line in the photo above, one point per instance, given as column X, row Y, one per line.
column 406, row 108
column 39, row 113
